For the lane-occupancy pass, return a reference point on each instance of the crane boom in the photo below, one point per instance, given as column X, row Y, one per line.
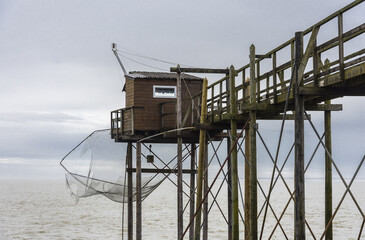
column 115, row 50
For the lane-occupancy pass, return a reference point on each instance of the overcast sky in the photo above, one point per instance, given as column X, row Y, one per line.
column 59, row 79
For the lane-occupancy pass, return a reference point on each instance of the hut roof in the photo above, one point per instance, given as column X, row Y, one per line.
column 161, row 75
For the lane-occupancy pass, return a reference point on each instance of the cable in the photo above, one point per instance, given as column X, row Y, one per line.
column 137, row 54
column 142, row 63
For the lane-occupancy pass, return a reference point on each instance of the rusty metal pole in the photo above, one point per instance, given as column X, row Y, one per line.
column 299, row 212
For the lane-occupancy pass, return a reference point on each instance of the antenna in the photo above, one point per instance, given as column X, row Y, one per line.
column 115, row 50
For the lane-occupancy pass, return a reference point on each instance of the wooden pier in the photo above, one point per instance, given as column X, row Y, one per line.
column 302, row 81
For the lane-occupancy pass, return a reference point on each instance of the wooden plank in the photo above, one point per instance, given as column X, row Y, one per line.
column 334, row 92
column 308, row 52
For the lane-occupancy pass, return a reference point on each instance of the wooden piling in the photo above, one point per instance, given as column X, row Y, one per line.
column 192, row 190
column 299, row 212
column 247, row 174
column 229, row 175
column 206, row 187
column 139, row 193
column 234, row 165
column 130, row 191
column 202, row 140
column 252, row 142
column 328, row 173
column 180, row 207
column 229, row 190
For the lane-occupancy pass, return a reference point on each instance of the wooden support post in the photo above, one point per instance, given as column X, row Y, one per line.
column 299, row 213
column 180, row 207
column 234, row 167
column 192, row 190
column 247, row 175
column 202, row 140
column 252, row 142
column 247, row 184
column 229, row 190
column 206, row 187
column 229, row 173
column 130, row 192
column 328, row 172
column 139, row 193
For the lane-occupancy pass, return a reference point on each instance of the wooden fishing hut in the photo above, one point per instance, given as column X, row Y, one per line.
column 150, row 104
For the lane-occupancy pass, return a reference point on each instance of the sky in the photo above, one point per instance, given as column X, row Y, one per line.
column 59, row 78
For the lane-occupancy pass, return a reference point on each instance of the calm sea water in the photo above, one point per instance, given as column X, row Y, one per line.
column 45, row 210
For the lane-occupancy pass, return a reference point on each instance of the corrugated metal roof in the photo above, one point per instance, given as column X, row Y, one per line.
column 160, row 75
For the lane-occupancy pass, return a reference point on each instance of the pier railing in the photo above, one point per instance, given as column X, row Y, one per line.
column 274, row 69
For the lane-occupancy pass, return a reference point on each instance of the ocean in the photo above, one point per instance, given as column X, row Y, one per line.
column 45, row 210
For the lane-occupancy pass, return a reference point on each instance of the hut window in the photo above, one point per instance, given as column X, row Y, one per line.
column 164, row 91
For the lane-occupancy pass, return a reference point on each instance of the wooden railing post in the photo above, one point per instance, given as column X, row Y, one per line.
column 340, row 46
column 274, row 78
